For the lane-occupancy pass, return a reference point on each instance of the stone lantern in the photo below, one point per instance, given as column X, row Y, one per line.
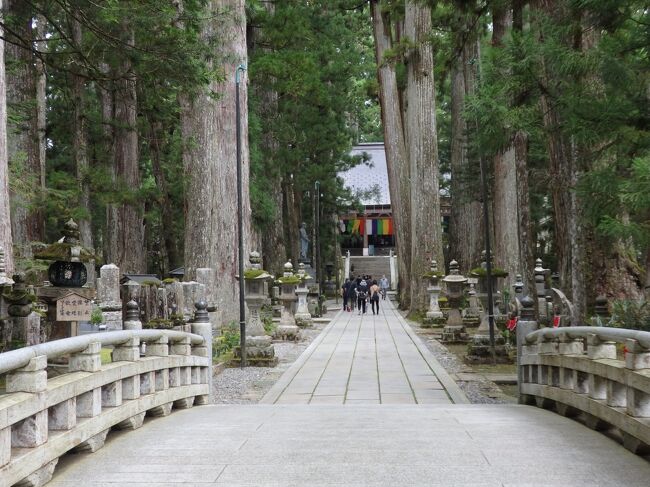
column 68, row 269
column 434, row 315
column 454, row 330
column 303, row 316
column 288, row 330
column 259, row 348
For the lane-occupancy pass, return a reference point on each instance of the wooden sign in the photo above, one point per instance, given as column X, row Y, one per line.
column 73, row 307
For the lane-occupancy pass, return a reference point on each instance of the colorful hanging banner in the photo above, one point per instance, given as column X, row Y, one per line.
column 376, row 226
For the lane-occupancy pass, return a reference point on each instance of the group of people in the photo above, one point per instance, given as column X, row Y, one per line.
column 358, row 291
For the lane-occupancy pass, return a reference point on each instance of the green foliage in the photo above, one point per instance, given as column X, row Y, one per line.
column 481, row 272
column 229, row 339
column 630, row 314
column 96, row 316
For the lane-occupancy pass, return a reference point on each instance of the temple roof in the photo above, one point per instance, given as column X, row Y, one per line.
column 370, row 176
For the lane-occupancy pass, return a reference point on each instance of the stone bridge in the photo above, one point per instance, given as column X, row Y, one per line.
column 365, row 405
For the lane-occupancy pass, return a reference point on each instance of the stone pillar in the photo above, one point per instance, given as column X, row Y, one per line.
column 132, row 321
column 394, row 276
column 526, row 324
column 201, row 326
column 541, row 291
column 108, row 296
column 207, row 277
column 303, row 316
column 637, row 358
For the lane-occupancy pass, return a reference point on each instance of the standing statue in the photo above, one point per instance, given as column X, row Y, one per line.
column 304, row 242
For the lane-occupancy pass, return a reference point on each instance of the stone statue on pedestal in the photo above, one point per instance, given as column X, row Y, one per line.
column 304, row 242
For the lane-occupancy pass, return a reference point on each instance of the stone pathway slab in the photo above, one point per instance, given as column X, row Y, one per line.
column 372, row 359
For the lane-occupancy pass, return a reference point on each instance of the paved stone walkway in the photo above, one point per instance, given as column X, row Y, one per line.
column 357, row 446
column 366, row 359
column 427, row 440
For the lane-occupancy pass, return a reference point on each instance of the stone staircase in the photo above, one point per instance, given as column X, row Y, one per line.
column 375, row 266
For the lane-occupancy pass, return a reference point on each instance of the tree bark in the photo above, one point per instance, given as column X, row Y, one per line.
column 467, row 228
column 125, row 235
column 209, row 157
column 507, row 227
column 396, row 153
column 426, row 224
column 5, row 221
column 23, row 137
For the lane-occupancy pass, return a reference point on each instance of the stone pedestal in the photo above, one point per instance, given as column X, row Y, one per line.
column 480, row 352
column 472, row 314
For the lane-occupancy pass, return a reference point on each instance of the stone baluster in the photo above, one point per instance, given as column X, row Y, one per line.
column 33, row 430
column 526, row 324
column 637, row 358
column 201, row 326
column 596, row 350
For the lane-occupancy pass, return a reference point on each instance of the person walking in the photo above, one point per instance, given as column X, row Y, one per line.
column 374, row 297
column 362, row 296
column 352, row 294
column 344, row 293
column 383, row 286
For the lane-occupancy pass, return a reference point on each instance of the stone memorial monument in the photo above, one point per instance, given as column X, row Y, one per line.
column 303, row 316
column 434, row 315
column 288, row 329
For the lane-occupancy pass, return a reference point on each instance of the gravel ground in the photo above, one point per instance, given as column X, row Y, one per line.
column 248, row 385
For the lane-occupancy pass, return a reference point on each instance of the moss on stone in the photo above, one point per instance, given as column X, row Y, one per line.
column 429, row 275
column 254, row 273
column 63, row 251
column 290, row 280
column 481, row 272
column 169, row 280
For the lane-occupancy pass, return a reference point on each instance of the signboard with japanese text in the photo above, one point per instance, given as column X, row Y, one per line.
column 73, row 307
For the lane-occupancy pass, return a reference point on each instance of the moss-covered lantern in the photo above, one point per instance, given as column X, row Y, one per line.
column 68, row 269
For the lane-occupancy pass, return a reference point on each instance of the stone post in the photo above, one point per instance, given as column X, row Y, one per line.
column 637, row 358
column 33, row 430
column 302, row 315
column 26, row 324
column 132, row 321
column 206, row 276
column 526, row 324
column 394, row 277
column 108, row 296
column 201, row 326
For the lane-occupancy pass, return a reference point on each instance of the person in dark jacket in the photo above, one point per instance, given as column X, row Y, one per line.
column 344, row 294
column 362, row 296
column 352, row 294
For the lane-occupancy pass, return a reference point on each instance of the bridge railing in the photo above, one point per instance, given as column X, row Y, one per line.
column 601, row 374
column 42, row 417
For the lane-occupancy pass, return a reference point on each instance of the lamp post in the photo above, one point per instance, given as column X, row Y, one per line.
column 319, row 276
column 486, row 224
column 240, row 219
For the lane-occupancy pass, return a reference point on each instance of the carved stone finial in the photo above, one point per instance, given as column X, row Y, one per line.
column 453, row 267
column 255, row 259
column 472, row 290
column 602, row 306
column 288, row 269
column 528, row 309
column 434, row 265
column 201, row 312
column 132, row 311
column 71, row 232
column 519, row 284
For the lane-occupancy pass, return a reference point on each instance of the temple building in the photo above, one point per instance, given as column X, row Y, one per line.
column 371, row 231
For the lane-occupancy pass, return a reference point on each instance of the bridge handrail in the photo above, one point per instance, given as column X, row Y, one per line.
column 16, row 359
column 578, row 371
column 42, row 418
column 618, row 335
